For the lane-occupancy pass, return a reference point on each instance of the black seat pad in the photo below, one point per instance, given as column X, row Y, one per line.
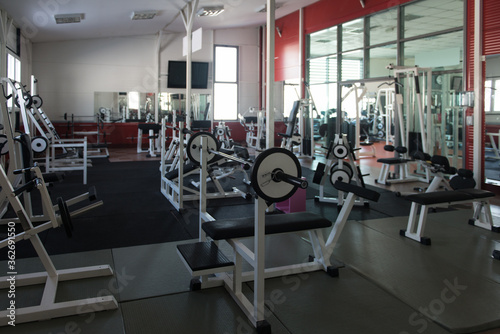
column 275, row 223
column 438, row 197
column 478, row 193
column 392, row 161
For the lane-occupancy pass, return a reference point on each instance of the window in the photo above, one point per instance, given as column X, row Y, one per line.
column 352, row 35
column 383, row 27
column 13, row 72
column 438, row 52
column 430, row 16
column 492, row 95
column 226, row 83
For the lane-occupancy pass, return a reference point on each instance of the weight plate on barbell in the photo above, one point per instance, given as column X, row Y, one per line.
column 343, row 174
column 380, row 126
column 265, row 164
column 37, row 101
column 4, row 147
column 340, row 151
column 381, row 134
column 193, row 147
column 39, row 144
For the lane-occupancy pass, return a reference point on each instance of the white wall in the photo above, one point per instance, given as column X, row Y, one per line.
column 69, row 72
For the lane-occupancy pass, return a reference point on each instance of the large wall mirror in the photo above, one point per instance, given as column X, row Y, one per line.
column 492, row 120
column 124, row 106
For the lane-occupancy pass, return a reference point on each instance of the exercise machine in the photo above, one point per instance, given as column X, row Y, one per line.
column 48, row 307
column 173, row 185
column 276, row 175
column 337, row 169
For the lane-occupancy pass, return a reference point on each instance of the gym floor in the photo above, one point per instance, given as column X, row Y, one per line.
column 388, row 284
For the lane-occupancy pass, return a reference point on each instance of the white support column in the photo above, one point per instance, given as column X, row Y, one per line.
column 270, row 74
column 158, row 69
column 5, row 26
column 478, row 90
column 188, row 16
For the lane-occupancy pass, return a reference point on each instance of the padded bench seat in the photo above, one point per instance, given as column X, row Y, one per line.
column 439, row 197
column 479, row 198
column 275, row 223
column 393, row 161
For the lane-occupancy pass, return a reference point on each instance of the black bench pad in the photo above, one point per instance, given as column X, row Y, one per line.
column 275, row 223
column 172, row 175
column 438, row 197
column 393, row 161
column 478, row 193
column 203, row 255
column 357, row 190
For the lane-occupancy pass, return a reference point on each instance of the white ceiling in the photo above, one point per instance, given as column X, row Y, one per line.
column 111, row 18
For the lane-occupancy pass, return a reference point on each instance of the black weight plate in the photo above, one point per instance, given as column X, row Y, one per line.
column 261, row 176
column 37, row 101
column 4, row 145
column 318, row 174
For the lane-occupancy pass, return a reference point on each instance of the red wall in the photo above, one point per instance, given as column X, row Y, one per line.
column 491, row 46
column 125, row 134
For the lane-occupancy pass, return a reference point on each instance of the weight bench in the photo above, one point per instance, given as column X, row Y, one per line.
column 424, row 201
column 206, row 260
column 400, row 161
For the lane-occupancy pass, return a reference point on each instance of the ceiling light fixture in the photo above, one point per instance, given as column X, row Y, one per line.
column 210, row 11
column 144, row 15
column 68, row 18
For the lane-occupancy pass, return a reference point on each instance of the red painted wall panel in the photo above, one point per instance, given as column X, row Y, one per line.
column 491, row 46
column 286, row 48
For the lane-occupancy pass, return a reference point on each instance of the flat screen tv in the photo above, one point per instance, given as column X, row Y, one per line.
column 177, row 74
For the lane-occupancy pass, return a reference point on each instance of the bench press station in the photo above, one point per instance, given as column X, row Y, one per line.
column 276, row 175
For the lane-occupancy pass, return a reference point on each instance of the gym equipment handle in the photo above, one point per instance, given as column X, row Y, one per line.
column 27, row 187
column 22, row 171
column 278, row 175
column 246, row 164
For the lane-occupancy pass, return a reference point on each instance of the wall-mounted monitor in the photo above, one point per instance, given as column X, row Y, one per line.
column 177, row 74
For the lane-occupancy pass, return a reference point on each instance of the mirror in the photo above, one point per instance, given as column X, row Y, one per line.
column 170, row 103
column 124, row 106
column 492, row 120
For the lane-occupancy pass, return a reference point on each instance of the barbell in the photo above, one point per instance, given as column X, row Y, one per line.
column 276, row 172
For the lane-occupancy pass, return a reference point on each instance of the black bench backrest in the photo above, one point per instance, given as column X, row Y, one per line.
column 357, row 190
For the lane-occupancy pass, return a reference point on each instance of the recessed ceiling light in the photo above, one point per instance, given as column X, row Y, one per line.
column 144, row 15
column 68, row 18
column 210, row 11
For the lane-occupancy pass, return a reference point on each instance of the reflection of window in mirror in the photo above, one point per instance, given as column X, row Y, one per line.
column 133, row 105
column 492, row 95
